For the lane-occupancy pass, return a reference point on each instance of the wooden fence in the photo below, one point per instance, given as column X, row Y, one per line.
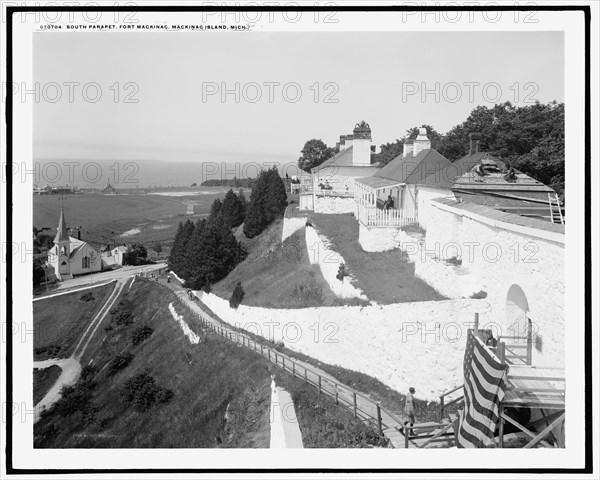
column 359, row 404
column 377, row 217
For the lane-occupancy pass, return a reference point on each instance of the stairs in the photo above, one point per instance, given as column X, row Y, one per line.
column 429, row 434
column 556, row 215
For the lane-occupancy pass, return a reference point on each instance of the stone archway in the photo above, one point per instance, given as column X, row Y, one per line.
column 517, row 313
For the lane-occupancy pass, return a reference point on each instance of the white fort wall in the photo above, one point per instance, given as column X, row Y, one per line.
column 520, row 268
column 418, row 344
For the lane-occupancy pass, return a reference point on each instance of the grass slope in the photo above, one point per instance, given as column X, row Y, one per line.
column 43, row 381
column 280, row 278
column 204, row 378
column 385, row 277
column 59, row 322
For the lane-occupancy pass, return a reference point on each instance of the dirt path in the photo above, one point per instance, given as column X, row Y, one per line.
column 71, row 367
column 70, row 371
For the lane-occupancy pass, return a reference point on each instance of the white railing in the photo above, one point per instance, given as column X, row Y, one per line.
column 376, row 217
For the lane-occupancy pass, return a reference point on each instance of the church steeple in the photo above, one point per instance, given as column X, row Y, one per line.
column 61, row 234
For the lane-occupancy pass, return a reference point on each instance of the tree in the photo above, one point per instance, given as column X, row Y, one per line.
column 237, row 296
column 232, row 210
column 215, row 208
column 314, row 153
column 268, row 200
column 178, row 250
column 38, row 273
column 135, row 254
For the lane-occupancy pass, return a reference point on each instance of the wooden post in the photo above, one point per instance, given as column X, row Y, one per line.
column 336, row 393
column 502, row 352
column 276, row 358
column 441, row 408
column 261, row 350
column 283, row 362
column 455, row 428
column 405, row 433
column 501, row 429
column 476, row 326
column 269, row 350
column 354, row 402
column 305, row 376
column 294, row 369
column 319, row 384
column 379, row 425
column 529, row 342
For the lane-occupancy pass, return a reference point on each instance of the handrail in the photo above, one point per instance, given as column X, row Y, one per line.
column 444, row 405
column 323, row 381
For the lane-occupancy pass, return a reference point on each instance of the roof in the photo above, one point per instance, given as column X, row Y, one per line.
column 345, row 159
column 409, row 169
column 461, row 176
column 494, row 214
column 61, row 234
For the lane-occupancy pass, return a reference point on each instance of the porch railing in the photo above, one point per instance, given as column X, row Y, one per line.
column 377, row 217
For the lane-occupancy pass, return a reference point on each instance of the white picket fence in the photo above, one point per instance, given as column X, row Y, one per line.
column 376, row 217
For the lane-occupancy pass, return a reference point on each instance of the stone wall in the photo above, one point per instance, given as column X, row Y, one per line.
column 418, row 344
column 498, row 258
column 334, row 204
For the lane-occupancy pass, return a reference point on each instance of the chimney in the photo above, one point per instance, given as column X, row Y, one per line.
column 337, row 146
column 79, row 234
column 342, row 143
column 474, row 139
column 422, row 142
column 361, row 143
column 407, row 149
column 348, row 139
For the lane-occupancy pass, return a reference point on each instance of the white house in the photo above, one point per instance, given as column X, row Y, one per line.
column 333, row 182
column 71, row 256
column 113, row 258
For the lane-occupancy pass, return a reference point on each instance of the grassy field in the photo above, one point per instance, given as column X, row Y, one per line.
column 43, row 381
column 384, row 277
column 104, row 218
column 197, row 387
column 59, row 322
column 279, row 278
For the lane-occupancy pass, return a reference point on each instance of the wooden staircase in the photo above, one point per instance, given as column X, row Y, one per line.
column 556, row 215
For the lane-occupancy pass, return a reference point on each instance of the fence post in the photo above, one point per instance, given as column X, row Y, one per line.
column 476, row 326
column 502, row 352
column 275, row 358
column 379, row 419
column 305, row 376
column 529, row 343
column 441, row 408
column 294, row 369
column 354, row 401
column 283, row 362
column 261, row 350
column 336, row 393
column 269, row 351
column 319, row 384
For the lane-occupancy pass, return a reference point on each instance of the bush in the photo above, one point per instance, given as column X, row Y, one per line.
column 142, row 392
column 140, row 334
column 86, row 297
column 457, row 262
column 119, row 362
column 51, row 350
column 237, row 296
column 480, row 294
column 342, row 272
column 121, row 315
column 77, row 398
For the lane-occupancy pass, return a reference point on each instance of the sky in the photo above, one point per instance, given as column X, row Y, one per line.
column 321, row 85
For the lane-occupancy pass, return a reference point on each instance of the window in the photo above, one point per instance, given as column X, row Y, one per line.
column 85, row 262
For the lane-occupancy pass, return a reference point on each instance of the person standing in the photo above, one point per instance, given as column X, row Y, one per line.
column 409, row 409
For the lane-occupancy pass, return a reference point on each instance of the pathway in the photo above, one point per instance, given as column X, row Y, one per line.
column 362, row 406
column 285, row 431
column 71, row 367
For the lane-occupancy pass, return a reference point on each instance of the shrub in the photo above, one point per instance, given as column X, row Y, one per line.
column 51, row 350
column 342, row 272
column 86, row 297
column 140, row 334
column 237, row 296
column 77, row 398
column 142, row 392
column 119, row 362
column 120, row 315
column 480, row 294
column 457, row 262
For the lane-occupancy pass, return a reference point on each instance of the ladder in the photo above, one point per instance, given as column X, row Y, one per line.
column 556, row 215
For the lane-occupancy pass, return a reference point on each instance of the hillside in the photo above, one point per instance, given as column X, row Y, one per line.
column 279, row 275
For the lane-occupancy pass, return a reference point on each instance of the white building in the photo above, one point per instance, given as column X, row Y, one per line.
column 113, row 258
column 71, row 256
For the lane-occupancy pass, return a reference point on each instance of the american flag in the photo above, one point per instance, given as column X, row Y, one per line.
column 484, row 388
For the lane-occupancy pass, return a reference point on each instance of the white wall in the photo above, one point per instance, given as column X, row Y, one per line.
column 500, row 256
column 334, row 205
column 419, row 344
column 424, row 197
column 291, row 225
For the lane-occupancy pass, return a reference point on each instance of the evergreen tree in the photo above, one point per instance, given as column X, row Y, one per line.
column 268, row 200
column 232, row 210
column 178, row 250
column 215, row 209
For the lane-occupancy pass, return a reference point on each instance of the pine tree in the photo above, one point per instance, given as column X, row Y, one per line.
column 268, row 200
column 215, row 209
column 232, row 210
column 178, row 250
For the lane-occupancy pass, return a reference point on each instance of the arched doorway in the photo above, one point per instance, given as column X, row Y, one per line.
column 517, row 313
